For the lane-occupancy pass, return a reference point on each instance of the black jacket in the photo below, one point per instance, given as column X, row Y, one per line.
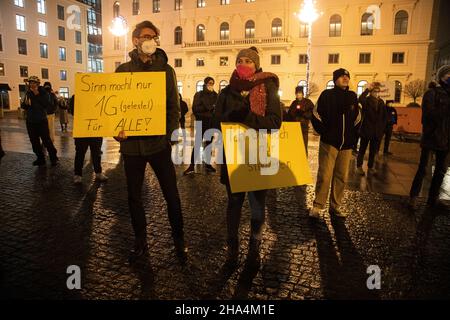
column 231, row 106
column 374, row 116
column 203, row 107
column 336, row 117
column 36, row 106
column 184, row 110
column 147, row 145
column 436, row 118
column 391, row 116
column 301, row 111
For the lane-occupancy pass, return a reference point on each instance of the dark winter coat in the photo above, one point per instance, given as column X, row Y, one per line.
column 203, row 107
column 147, row 145
column 301, row 111
column 336, row 117
column 374, row 116
column 436, row 118
column 36, row 109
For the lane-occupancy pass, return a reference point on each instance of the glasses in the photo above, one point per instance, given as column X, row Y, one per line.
column 149, row 37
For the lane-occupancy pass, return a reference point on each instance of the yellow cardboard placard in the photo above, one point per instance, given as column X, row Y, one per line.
column 293, row 168
column 107, row 103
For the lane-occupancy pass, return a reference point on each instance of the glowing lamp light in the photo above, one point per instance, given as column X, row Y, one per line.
column 308, row 13
column 118, row 26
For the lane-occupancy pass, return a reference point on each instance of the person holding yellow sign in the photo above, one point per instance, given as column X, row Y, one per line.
column 252, row 99
column 137, row 151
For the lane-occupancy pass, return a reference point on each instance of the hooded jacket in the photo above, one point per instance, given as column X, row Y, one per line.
column 374, row 116
column 336, row 117
column 148, row 145
column 436, row 118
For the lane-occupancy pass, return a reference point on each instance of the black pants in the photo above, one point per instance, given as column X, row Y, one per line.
column 205, row 127
column 305, row 138
column 81, row 146
column 387, row 138
column 37, row 132
column 438, row 175
column 373, row 149
column 164, row 169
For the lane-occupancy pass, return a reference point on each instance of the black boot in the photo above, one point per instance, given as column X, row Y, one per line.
column 140, row 249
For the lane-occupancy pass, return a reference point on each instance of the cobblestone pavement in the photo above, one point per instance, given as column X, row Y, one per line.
column 47, row 224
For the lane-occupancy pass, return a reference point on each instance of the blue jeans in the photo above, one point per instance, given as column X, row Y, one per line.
column 257, row 200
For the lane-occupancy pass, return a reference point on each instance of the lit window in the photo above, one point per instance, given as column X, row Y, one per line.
column 20, row 22
column 42, row 28
column 277, row 28
column 401, row 22
column 41, row 6
column 335, row 25
column 330, row 84
column 367, row 24
column 361, row 87
column 249, row 29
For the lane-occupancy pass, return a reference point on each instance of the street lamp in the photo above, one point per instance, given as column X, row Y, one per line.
column 308, row 14
column 119, row 28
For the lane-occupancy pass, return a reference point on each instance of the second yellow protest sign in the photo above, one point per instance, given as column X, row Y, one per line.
column 258, row 162
column 107, row 103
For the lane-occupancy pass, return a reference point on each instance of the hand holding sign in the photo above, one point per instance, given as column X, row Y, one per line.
column 120, row 104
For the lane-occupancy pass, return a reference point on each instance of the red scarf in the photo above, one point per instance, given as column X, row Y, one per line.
column 256, row 87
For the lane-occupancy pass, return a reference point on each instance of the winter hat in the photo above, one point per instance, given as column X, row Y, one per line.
column 33, row 79
column 442, row 72
column 47, row 84
column 339, row 73
column 251, row 53
column 299, row 89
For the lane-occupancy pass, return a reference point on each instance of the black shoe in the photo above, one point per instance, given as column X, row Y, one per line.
column 189, row 170
column 139, row 250
column 210, row 169
column 39, row 162
column 180, row 250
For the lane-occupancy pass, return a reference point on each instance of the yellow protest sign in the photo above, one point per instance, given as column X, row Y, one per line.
column 107, row 103
column 256, row 161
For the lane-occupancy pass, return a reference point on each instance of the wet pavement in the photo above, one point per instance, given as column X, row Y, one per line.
column 48, row 224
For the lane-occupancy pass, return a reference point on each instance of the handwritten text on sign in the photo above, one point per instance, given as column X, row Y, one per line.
column 284, row 148
column 107, row 103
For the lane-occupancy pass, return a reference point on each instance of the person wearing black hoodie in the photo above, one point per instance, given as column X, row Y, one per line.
column 301, row 111
column 391, row 121
column 36, row 102
column 435, row 138
column 155, row 150
column 203, row 108
column 336, row 118
column 252, row 99
column 374, row 121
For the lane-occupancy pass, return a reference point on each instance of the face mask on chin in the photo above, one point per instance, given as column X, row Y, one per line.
column 148, row 47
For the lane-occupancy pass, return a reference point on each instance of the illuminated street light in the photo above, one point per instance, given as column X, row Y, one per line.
column 308, row 14
column 119, row 28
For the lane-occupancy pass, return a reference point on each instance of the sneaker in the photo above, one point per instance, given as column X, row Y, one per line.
column 39, row 162
column 338, row 213
column 210, row 169
column 372, row 171
column 189, row 170
column 360, row 171
column 314, row 212
column 77, row 180
column 100, row 177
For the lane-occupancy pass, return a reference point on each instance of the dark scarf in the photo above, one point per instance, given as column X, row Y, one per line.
column 256, row 87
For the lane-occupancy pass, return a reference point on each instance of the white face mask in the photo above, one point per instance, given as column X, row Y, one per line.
column 149, row 46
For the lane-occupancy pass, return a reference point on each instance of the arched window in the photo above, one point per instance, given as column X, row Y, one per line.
column 222, row 84
column 201, row 31
column 178, row 35
column 116, row 9
column 224, row 31
column 367, row 24
column 277, row 27
column 249, row 29
column 199, row 85
column 361, row 86
column 401, row 22
column 180, row 87
column 302, row 83
column 304, row 30
column 335, row 25
column 398, row 91
column 330, row 84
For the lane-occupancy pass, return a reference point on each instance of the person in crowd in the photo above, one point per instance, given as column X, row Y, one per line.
column 374, row 121
column 435, row 138
column 391, row 121
column 63, row 113
column 36, row 102
column 184, row 110
column 81, row 146
column 336, row 118
column 203, row 108
column 301, row 111
column 51, row 110
column 155, row 150
column 252, row 99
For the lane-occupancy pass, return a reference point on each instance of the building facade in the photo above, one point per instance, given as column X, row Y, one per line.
column 391, row 41
column 46, row 38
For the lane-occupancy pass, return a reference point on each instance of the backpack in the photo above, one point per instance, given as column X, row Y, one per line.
column 53, row 103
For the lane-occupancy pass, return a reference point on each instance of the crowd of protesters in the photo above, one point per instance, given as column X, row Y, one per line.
column 251, row 98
